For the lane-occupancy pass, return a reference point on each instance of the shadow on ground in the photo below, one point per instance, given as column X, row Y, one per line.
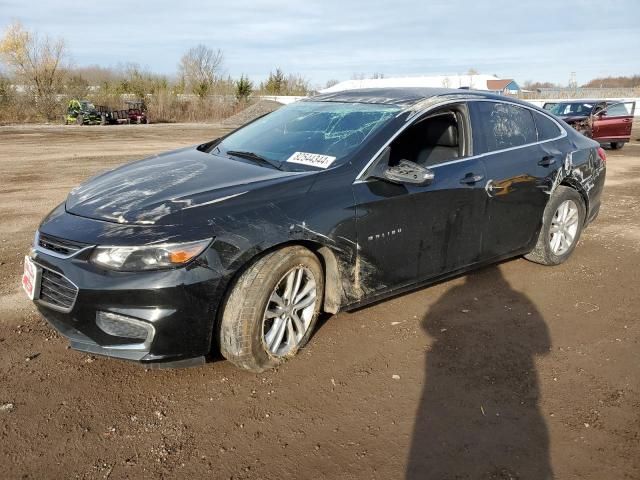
column 478, row 416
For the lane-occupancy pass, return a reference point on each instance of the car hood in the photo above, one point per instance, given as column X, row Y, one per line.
column 154, row 190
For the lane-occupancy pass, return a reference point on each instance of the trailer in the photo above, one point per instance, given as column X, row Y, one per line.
column 83, row 112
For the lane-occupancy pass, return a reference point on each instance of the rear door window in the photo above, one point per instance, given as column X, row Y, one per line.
column 501, row 126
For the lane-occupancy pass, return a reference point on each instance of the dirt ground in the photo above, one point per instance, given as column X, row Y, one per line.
column 516, row 371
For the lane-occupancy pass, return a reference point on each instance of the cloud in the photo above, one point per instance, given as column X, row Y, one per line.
column 334, row 39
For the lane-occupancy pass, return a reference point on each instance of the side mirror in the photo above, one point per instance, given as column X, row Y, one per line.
column 409, row 172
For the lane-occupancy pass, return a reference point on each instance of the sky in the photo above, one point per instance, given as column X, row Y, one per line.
column 544, row 40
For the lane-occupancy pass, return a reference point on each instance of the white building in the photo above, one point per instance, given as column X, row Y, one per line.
column 472, row 82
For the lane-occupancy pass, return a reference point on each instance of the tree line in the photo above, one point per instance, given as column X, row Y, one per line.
column 632, row 81
column 37, row 79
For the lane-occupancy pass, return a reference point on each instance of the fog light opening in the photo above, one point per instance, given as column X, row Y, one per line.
column 125, row 327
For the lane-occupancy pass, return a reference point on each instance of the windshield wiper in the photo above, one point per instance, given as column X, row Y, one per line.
column 253, row 156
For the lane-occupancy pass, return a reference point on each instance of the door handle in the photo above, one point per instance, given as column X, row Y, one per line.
column 547, row 160
column 470, row 179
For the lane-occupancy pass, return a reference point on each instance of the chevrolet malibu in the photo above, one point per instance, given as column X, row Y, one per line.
column 235, row 246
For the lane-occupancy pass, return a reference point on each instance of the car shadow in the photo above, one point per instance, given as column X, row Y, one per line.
column 478, row 415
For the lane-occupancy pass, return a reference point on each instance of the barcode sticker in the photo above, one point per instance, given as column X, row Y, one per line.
column 311, row 159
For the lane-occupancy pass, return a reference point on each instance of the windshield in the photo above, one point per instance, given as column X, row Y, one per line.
column 313, row 134
column 566, row 109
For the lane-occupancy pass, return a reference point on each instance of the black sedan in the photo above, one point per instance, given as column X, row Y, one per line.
column 236, row 245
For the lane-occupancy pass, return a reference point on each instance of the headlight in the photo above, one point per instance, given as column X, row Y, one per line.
column 148, row 257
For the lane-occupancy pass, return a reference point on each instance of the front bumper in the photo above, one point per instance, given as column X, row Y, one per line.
column 177, row 306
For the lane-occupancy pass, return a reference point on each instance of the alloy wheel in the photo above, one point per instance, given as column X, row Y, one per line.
column 289, row 311
column 564, row 227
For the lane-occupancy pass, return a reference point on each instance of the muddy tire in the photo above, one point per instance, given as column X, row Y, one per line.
column 562, row 225
column 617, row 145
column 80, row 119
column 272, row 309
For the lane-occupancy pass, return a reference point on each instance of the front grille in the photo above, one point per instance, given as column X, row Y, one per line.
column 57, row 291
column 59, row 245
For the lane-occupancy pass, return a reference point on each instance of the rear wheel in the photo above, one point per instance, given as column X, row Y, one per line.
column 272, row 309
column 80, row 119
column 561, row 227
column 617, row 145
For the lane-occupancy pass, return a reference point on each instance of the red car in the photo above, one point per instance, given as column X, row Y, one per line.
column 605, row 121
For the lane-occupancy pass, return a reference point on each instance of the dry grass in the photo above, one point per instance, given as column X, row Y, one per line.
column 167, row 107
column 163, row 106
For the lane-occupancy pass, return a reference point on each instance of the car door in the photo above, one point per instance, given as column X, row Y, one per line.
column 410, row 232
column 519, row 173
column 614, row 122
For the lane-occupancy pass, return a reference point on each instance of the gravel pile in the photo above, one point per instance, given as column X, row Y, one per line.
column 252, row 112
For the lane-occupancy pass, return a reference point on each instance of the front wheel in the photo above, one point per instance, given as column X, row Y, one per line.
column 562, row 224
column 617, row 145
column 272, row 309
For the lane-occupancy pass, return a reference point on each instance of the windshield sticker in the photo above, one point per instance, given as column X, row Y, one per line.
column 311, row 159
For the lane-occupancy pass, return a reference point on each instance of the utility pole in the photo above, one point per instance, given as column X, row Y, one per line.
column 573, row 83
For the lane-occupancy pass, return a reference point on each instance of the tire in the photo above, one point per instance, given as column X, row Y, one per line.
column 617, row 145
column 544, row 251
column 80, row 119
column 246, row 330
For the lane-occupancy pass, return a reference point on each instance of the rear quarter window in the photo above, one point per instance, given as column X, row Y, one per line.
column 547, row 128
column 503, row 126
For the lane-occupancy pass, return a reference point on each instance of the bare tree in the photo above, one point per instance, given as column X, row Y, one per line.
column 296, row 84
column 471, row 72
column 330, row 83
column 199, row 68
column 531, row 85
column 37, row 63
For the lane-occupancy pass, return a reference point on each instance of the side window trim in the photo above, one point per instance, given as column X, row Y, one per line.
column 563, row 133
column 478, row 140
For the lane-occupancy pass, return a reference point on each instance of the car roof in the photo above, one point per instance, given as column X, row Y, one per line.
column 401, row 96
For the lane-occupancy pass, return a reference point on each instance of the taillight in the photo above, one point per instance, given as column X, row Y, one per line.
column 602, row 154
